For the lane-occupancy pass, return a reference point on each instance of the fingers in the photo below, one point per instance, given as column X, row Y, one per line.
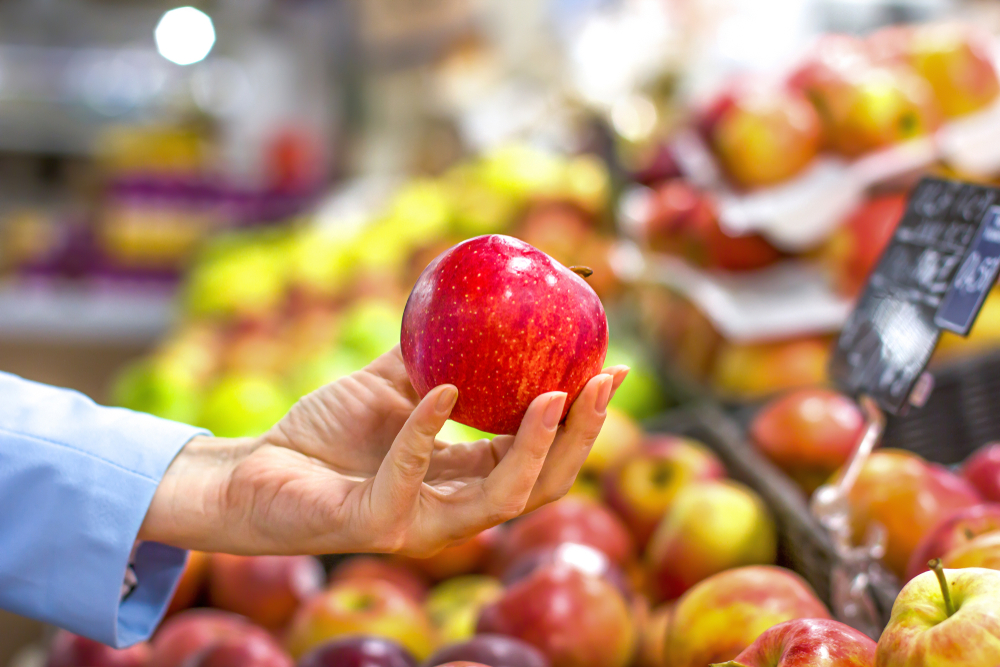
column 574, row 441
column 396, row 486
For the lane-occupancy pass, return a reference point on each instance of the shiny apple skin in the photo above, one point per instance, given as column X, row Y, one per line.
column 492, row 650
column 361, row 607
column 808, row 642
column 575, row 619
column 956, row 530
column 808, row 433
column 265, row 589
column 642, row 489
column 982, row 469
column 585, row 558
column 504, row 323
column 724, row 614
column 920, row 633
column 194, row 630
column 712, row 526
column 571, row 519
column 907, row 496
column 249, row 651
column 982, row 551
column 359, row 651
column 69, row 650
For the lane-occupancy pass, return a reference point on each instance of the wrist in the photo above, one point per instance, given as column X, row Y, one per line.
column 189, row 508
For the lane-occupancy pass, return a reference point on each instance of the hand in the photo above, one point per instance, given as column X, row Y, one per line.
column 355, row 467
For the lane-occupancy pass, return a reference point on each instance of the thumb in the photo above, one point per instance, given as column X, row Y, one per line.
column 398, row 480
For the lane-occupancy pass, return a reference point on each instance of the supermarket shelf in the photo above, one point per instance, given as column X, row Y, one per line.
column 84, row 314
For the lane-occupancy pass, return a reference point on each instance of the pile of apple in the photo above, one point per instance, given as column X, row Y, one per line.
column 269, row 317
column 851, row 97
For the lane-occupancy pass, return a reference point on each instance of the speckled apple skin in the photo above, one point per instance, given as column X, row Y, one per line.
column 920, row 633
column 504, row 323
column 812, row 642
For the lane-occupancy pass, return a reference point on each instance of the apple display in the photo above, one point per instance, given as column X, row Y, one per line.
column 643, row 488
column 453, row 605
column 491, row 650
column 582, row 557
column 944, row 618
column 361, row 607
column 358, row 651
column 711, row 526
column 953, row 532
column 724, row 614
column 908, row 497
column 504, row 323
column 982, row 469
column 808, row 642
column 69, row 650
column 574, row 619
column 265, row 589
column 808, row 433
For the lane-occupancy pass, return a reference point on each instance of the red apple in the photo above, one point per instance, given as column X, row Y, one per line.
column 982, row 469
column 69, row 650
column 265, row 589
column 580, row 556
column 361, row 607
column 980, row 551
column 250, row 651
column 855, row 248
column 642, row 489
column 723, row 615
column 572, row 519
column 360, row 651
column 492, row 650
column 767, row 136
column 959, row 528
column 467, row 557
column 191, row 583
column 908, row 497
column 808, row 642
column 682, row 220
column 946, row 618
column 712, row 526
column 378, row 568
column 503, row 322
column 574, row 619
column 194, row 630
column 809, row 433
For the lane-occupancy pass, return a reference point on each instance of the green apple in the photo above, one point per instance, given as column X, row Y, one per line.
column 250, row 281
column 244, row 405
column 371, row 327
column 944, row 618
column 324, row 369
column 454, row 605
column 154, row 387
column 640, row 396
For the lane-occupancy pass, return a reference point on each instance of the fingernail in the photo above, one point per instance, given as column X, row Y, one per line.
column 553, row 411
column 446, row 400
column 604, row 394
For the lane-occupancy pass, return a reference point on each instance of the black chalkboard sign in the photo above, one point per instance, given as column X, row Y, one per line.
column 890, row 337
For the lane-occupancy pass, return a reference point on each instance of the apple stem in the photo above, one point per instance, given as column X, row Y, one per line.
column 935, row 565
column 582, row 271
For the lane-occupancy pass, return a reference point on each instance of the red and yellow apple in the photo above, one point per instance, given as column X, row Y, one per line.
column 724, row 614
column 249, row 651
column 265, row 589
column 618, row 441
column 379, row 568
column 982, row 469
column 808, row 642
column 956, row 530
column 958, row 63
column 453, row 605
column 979, row 551
column 711, row 526
column 361, row 607
column 643, row 488
column 808, row 433
column 751, row 370
column 194, row 630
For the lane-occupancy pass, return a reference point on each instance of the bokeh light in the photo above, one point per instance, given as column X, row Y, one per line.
column 185, row 35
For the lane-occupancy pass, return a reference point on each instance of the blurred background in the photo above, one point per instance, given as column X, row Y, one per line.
column 207, row 211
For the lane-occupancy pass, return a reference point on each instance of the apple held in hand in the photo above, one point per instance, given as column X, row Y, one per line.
column 723, row 615
column 808, row 642
column 361, row 607
column 960, row 528
column 711, row 527
column 808, row 433
column 643, row 489
column 504, row 323
column 944, row 618
column 574, row 619
column 69, row 650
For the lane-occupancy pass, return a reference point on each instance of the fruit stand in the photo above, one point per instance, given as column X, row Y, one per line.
column 718, row 244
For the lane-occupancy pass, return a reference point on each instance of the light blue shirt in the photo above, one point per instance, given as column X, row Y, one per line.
column 76, row 480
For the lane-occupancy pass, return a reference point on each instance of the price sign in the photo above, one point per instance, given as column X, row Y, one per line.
column 934, row 274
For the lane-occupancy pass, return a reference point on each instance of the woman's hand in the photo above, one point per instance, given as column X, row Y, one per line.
column 355, row 467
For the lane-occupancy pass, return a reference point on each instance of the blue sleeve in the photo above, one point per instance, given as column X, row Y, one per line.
column 76, row 480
